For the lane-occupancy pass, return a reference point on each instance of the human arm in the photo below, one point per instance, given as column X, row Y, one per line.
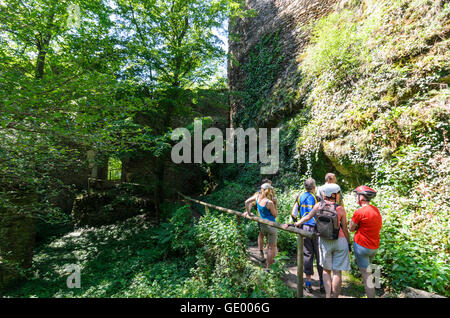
column 308, row 216
column 248, row 205
column 354, row 223
column 272, row 208
column 319, row 194
column 294, row 212
column 353, row 226
column 275, row 200
column 341, row 202
column 344, row 224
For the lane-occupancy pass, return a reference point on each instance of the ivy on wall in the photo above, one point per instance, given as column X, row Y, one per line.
column 262, row 69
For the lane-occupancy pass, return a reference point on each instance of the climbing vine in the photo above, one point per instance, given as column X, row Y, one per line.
column 262, row 69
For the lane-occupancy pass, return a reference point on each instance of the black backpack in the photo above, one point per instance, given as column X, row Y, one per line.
column 327, row 221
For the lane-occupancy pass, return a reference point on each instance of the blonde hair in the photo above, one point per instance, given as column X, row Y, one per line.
column 269, row 195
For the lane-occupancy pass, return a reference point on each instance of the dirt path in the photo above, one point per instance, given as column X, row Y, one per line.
column 351, row 288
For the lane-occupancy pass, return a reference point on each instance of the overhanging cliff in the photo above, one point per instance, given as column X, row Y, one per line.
column 288, row 21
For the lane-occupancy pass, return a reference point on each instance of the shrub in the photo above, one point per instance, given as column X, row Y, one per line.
column 333, row 56
column 223, row 268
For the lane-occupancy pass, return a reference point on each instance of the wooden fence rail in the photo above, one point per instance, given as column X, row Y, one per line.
column 300, row 235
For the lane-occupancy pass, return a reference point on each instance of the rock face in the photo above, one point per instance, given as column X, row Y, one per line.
column 410, row 292
column 290, row 18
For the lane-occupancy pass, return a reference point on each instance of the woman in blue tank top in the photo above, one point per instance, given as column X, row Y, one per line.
column 264, row 211
column 267, row 210
column 249, row 204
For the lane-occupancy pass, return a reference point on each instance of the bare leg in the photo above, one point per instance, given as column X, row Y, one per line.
column 370, row 291
column 327, row 282
column 261, row 241
column 261, row 246
column 337, row 283
column 271, row 253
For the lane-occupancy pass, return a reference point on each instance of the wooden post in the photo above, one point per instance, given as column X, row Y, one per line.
column 299, row 266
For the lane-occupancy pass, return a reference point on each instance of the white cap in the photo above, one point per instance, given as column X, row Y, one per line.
column 329, row 188
column 266, row 185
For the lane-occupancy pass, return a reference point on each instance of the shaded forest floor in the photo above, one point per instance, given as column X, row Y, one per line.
column 129, row 259
column 121, row 260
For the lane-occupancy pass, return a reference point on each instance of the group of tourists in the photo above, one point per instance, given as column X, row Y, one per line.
column 321, row 211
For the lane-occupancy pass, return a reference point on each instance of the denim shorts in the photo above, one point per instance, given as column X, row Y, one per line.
column 363, row 255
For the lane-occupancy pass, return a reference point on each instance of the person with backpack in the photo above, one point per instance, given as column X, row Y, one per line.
column 334, row 238
column 252, row 202
column 266, row 210
column 303, row 205
column 367, row 222
column 329, row 178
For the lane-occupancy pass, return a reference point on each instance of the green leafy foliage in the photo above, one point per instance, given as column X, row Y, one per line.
column 414, row 242
column 262, row 68
column 374, row 92
column 178, row 258
column 373, row 84
column 379, row 117
column 223, row 268
column 333, row 56
column 100, row 85
column 177, row 236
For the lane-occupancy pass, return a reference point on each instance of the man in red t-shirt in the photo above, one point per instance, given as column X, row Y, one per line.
column 367, row 223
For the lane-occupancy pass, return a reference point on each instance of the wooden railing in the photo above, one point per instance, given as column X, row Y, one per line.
column 300, row 235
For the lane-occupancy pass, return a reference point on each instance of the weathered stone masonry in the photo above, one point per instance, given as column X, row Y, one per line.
column 288, row 16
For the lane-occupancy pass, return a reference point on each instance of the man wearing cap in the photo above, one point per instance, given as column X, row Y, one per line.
column 333, row 253
column 267, row 210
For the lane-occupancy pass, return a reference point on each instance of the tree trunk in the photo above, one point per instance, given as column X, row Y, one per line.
column 42, row 44
column 40, row 62
column 161, row 164
column 159, row 193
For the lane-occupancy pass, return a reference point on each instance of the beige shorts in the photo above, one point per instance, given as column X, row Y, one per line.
column 333, row 254
column 269, row 232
